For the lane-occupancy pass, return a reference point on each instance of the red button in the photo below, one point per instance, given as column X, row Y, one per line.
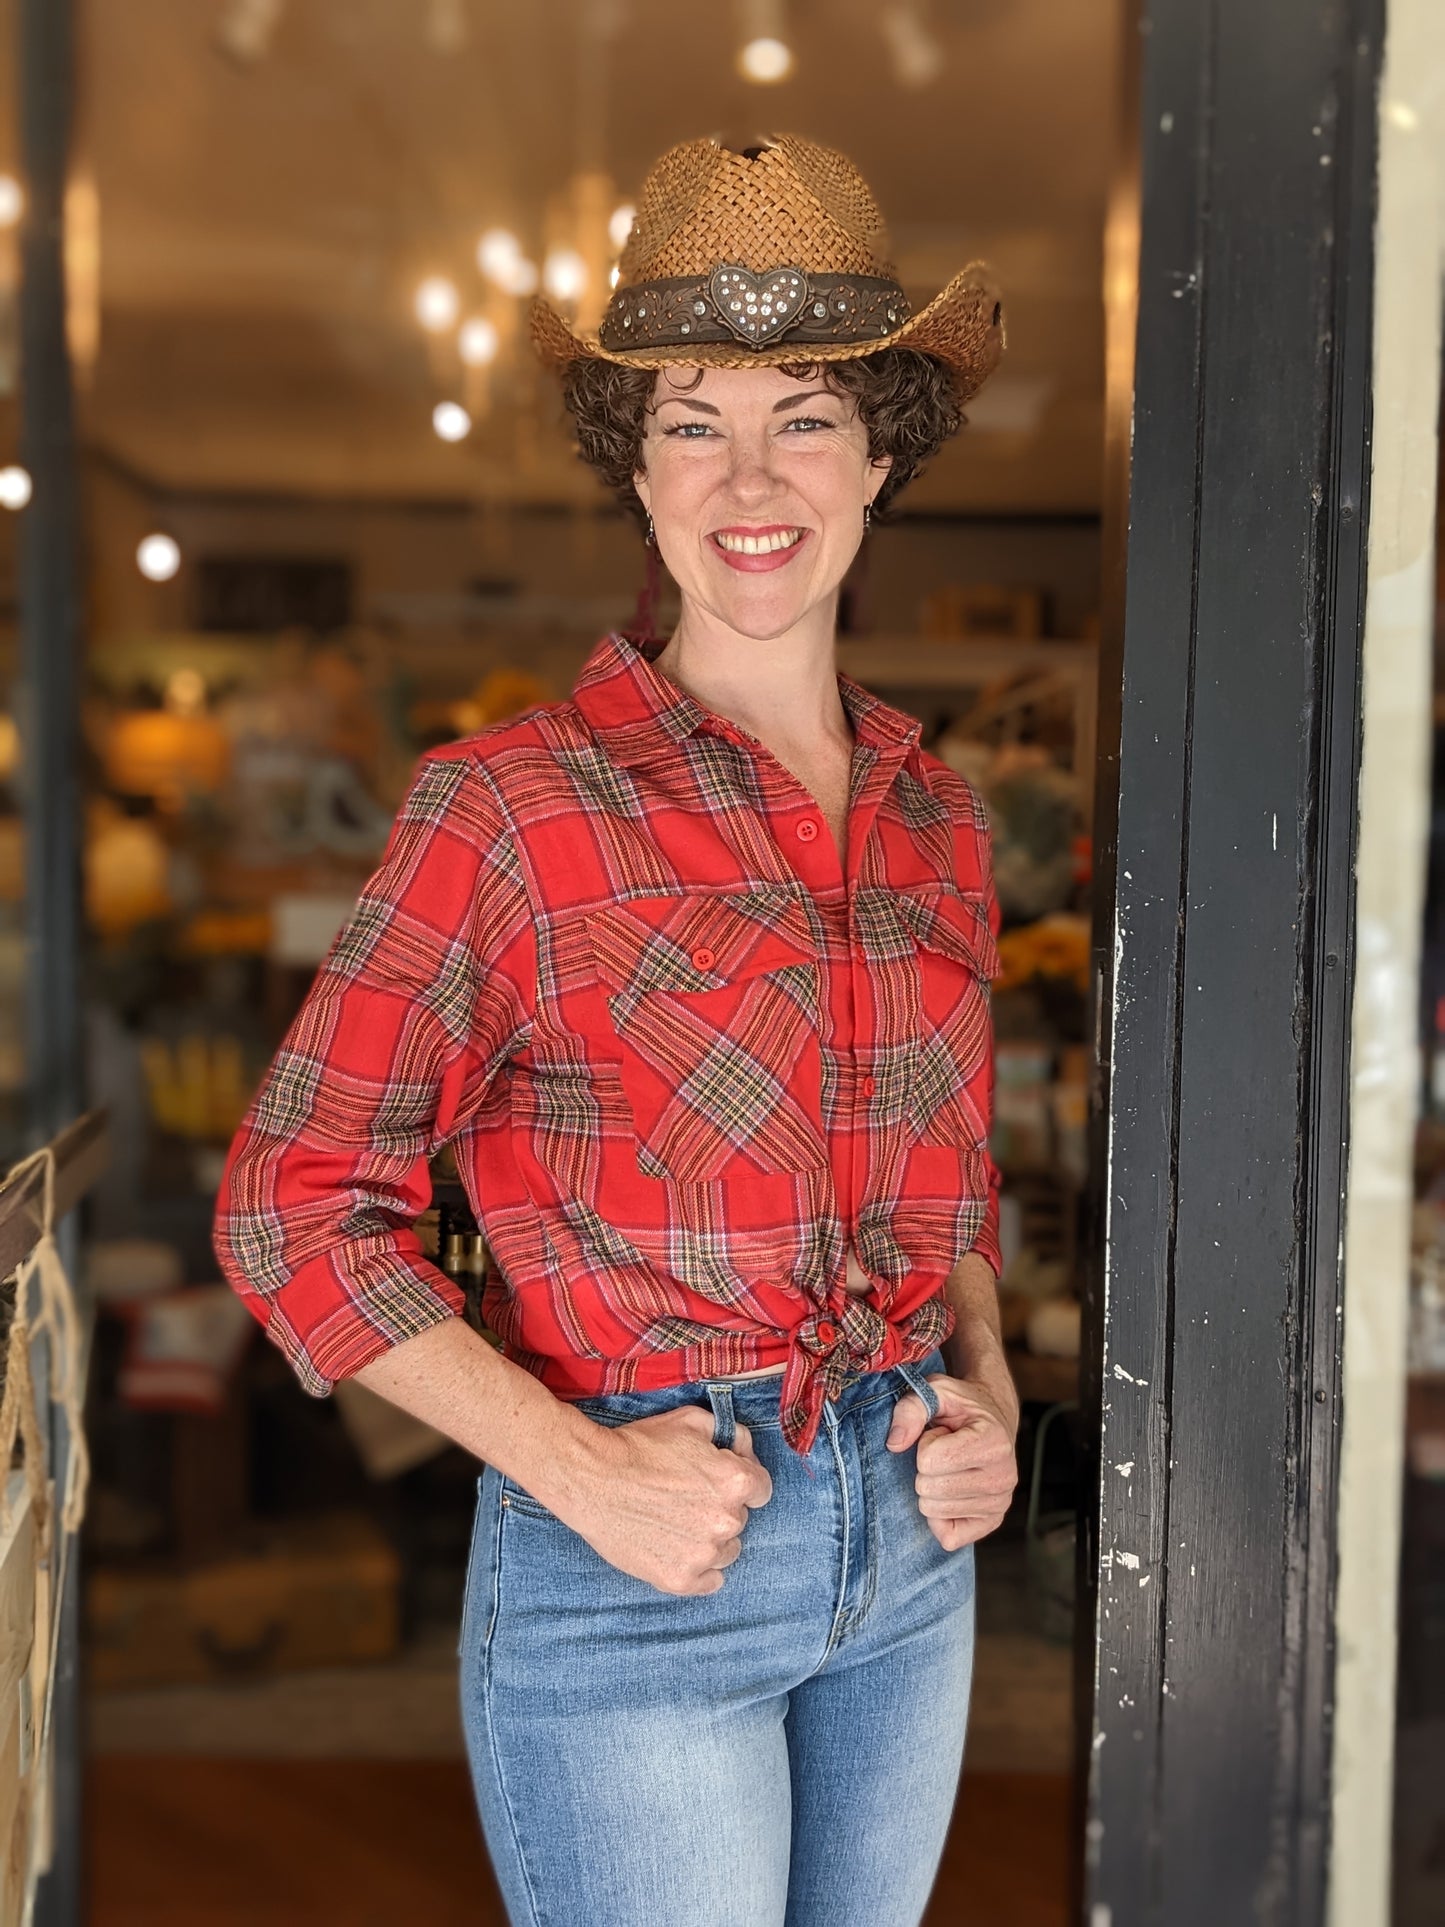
column 807, row 830
column 870, row 1084
column 827, row 1333
column 703, row 959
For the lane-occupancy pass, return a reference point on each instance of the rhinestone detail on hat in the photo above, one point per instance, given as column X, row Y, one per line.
column 757, row 307
column 753, row 311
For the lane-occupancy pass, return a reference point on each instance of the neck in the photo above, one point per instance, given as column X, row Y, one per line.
column 784, row 689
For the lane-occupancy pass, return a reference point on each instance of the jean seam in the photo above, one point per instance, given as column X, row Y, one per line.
column 870, row 1528
column 496, row 1751
column 470, row 1574
column 840, row 1616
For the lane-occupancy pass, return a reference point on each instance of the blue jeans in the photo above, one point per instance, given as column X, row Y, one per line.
column 781, row 1753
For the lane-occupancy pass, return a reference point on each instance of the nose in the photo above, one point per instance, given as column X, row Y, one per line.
column 752, row 477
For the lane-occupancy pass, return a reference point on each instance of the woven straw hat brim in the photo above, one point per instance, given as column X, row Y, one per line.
column 962, row 326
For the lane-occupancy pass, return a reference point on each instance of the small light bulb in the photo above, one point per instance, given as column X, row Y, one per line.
column 478, row 341
column 766, row 61
column 451, row 421
column 522, row 277
column 564, row 274
column 614, row 276
column 12, row 200
column 437, row 304
column 1401, row 114
column 14, row 487
column 158, row 558
column 498, row 253
column 620, row 225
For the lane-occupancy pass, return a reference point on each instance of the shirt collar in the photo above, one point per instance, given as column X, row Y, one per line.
column 637, row 712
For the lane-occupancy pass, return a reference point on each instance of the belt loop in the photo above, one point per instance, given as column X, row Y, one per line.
column 916, row 1382
column 725, row 1427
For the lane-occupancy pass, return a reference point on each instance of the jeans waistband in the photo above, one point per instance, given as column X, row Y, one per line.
column 755, row 1402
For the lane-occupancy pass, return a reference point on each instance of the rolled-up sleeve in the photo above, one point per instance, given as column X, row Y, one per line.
column 426, row 993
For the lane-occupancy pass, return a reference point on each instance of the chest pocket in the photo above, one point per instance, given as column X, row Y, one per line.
column 714, row 1002
column 956, row 960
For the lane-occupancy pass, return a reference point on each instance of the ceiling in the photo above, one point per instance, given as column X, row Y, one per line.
column 264, row 223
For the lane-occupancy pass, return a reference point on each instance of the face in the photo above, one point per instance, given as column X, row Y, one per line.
column 756, row 483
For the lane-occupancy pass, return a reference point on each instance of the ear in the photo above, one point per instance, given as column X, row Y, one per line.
column 877, row 475
column 643, row 487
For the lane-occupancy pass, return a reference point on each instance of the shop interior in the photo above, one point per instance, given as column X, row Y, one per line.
column 331, row 519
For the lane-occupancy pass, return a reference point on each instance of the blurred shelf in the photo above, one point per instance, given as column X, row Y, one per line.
column 958, row 662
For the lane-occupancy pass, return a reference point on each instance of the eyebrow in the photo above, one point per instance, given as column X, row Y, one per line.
column 706, row 407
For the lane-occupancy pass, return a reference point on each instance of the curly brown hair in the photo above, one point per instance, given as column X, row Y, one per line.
column 906, row 401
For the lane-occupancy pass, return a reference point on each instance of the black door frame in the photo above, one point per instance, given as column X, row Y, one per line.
column 1229, row 734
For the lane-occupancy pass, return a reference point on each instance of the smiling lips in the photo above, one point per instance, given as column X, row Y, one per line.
column 754, row 550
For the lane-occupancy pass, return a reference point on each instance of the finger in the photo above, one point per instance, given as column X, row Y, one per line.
column 910, row 1416
column 760, row 1486
column 961, row 1505
column 954, row 1534
column 693, row 1418
column 727, row 1553
column 940, row 1448
column 990, row 1472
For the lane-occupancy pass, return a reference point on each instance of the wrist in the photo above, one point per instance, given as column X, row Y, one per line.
column 975, row 1352
column 570, row 1459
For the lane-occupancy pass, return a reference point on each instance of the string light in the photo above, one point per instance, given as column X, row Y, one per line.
column 619, row 226
column 764, row 56
column 14, row 487
column 478, row 341
column 564, row 274
column 437, row 304
column 766, row 62
column 158, row 558
column 246, row 29
column 12, row 200
column 913, row 48
column 451, row 421
column 501, row 260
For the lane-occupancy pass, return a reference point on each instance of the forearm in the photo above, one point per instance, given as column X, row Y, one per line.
column 450, row 1377
column 974, row 1350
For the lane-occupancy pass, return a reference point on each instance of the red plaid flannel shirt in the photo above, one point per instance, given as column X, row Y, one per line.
column 685, row 1063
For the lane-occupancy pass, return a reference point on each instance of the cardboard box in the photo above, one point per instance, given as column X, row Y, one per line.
column 317, row 1592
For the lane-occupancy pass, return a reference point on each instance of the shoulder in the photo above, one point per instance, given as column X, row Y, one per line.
column 537, row 735
column 959, row 797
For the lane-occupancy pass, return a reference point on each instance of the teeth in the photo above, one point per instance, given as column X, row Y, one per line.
column 758, row 544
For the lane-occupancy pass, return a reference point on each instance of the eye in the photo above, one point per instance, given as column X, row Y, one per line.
column 690, row 431
column 811, row 421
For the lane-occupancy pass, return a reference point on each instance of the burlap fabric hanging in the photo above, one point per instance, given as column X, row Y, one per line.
column 42, row 1276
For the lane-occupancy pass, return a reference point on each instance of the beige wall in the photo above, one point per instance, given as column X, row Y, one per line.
column 1394, row 798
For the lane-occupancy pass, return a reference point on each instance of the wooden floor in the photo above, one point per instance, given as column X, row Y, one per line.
column 187, row 1842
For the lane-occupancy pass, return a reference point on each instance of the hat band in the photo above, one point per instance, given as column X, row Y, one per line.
column 732, row 304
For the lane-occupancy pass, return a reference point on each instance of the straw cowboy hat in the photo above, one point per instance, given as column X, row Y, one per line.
column 741, row 259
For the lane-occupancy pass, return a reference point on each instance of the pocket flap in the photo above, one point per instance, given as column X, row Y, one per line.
column 953, row 924
column 698, row 942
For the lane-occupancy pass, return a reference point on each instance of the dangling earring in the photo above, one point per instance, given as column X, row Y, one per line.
column 867, row 516
column 651, row 532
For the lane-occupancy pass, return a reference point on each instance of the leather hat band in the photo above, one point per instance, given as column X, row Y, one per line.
column 732, row 304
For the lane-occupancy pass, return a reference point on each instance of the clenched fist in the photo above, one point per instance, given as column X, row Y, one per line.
column 966, row 1465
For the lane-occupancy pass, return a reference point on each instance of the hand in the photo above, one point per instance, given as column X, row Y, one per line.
column 663, row 1503
column 966, row 1465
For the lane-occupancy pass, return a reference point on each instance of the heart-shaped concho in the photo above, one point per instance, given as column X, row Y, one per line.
column 758, row 307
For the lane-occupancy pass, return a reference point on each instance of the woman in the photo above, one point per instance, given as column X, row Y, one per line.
column 692, row 970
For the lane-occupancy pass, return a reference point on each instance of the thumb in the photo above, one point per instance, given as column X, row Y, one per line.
column 910, row 1422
